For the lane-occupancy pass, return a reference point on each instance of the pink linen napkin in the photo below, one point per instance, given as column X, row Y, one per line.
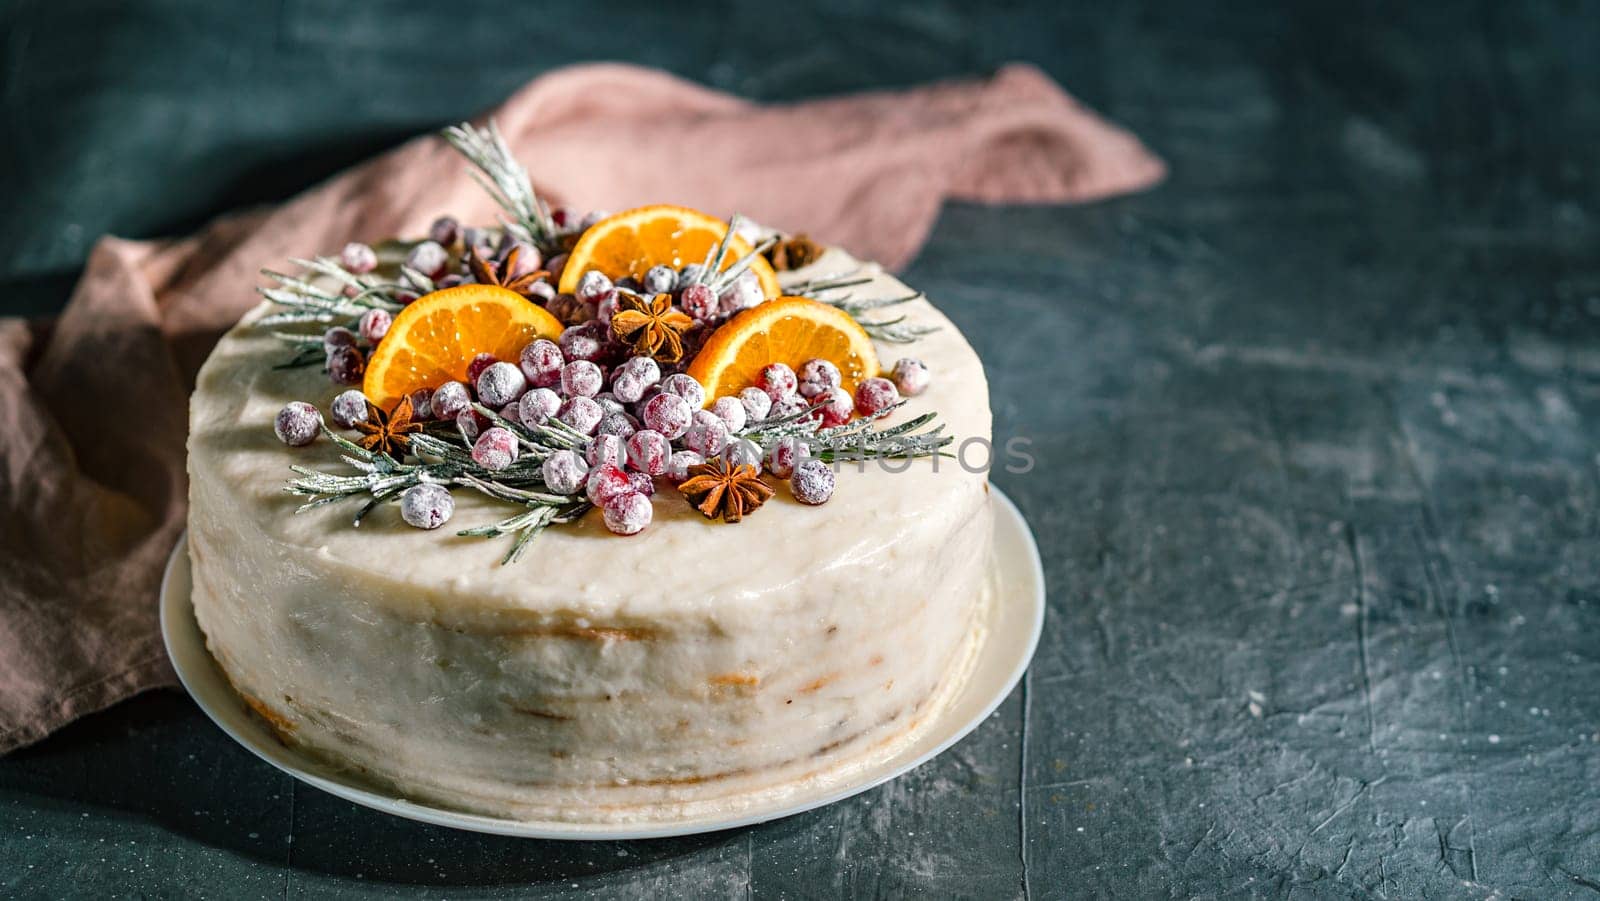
column 93, row 407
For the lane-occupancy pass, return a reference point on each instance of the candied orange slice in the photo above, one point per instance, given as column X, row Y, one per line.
column 629, row 243
column 788, row 330
column 433, row 339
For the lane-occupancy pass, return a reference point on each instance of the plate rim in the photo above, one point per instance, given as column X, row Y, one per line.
column 283, row 758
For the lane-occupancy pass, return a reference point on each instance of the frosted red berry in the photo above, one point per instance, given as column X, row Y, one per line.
column 581, row 414
column 642, row 484
column 818, row 376
column 785, row 455
column 426, row 506
column 564, row 472
column 450, row 399
column 707, row 434
column 297, row 423
column 731, row 411
column 668, row 414
column 349, row 408
column 429, row 259
column 444, row 231
column 337, row 337
column 835, row 407
column 778, row 380
column 660, row 280
column 605, row 449
column 594, row 286
column 477, row 365
column 699, row 301
column 605, row 482
column 537, row 406
column 875, row 395
column 585, row 341
column 617, row 423
column 627, row 514
column 757, row 404
column 680, row 463
column 374, row 325
column 495, row 449
column 683, row 385
column 581, row 378
column 500, row 384
column 555, row 266
column 812, row 482
column 346, row 365
column 911, row 376
column 742, row 452
column 471, row 423
column 541, row 363
column 450, row 281
column 358, row 258
column 421, row 404
column 542, row 291
column 744, row 293
column 649, row 452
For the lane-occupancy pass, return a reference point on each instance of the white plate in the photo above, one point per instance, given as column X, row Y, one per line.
column 1015, row 620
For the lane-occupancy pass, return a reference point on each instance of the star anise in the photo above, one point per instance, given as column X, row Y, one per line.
column 793, row 253
column 504, row 274
column 388, row 433
column 652, row 327
column 716, row 489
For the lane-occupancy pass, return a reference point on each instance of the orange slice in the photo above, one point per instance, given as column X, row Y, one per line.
column 433, row 339
column 788, row 330
column 630, row 243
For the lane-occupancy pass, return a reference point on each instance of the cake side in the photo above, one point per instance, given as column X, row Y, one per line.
column 690, row 665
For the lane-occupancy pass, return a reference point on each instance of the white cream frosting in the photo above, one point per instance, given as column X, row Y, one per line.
column 693, row 668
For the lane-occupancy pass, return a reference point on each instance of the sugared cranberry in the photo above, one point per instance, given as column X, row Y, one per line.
column 426, row 506
column 742, row 452
column 358, row 258
column 478, row 364
column 910, row 376
column 560, row 216
column 581, row 414
column 681, row 462
column 757, row 404
column 479, row 239
column 875, row 395
column 699, row 301
column 586, row 311
column 594, row 286
column 556, row 265
column 778, row 380
column 609, row 403
column 660, row 280
column 836, row 407
column 633, row 378
column 450, row 399
column 405, row 296
column 607, row 308
column 349, row 408
column 374, row 325
column 528, row 259
column 683, row 385
column 297, row 424
column 668, row 414
column 649, row 452
column 444, row 231
column 542, row 291
column 744, row 293
column 816, row 377
column 429, row 259
column 605, row 449
column 421, row 404
column 584, row 342
column 787, row 454
column 605, row 482
column 563, row 307
column 617, row 423
column 471, row 423
column 337, row 337
column 812, row 482
column 791, row 406
column 564, row 472
column 541, row 362
column 501, row 384
column 581, row 378
column 346, row 365
column 731, row 411
column 538, row 405
column 495, row 449
column 707, row 434
column 690, row 274
column 642, row 484
column 627, row 514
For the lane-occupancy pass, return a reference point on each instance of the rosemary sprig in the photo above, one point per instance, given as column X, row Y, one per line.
column 379, row 478
column 892, row 330
column 506, row 181
column 857, row 439
column 305, row 301
column 712, row 275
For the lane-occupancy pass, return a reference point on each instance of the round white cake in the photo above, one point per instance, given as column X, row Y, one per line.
column 695, row 668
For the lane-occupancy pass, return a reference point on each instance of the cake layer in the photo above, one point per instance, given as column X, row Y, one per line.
column 696, row 665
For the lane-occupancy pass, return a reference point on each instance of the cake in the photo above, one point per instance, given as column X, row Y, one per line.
column 697, row 666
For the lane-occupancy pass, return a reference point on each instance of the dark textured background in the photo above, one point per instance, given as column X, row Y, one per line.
column 1317, row 426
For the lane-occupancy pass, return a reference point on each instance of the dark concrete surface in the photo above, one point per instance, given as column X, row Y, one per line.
column 1317, row 422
